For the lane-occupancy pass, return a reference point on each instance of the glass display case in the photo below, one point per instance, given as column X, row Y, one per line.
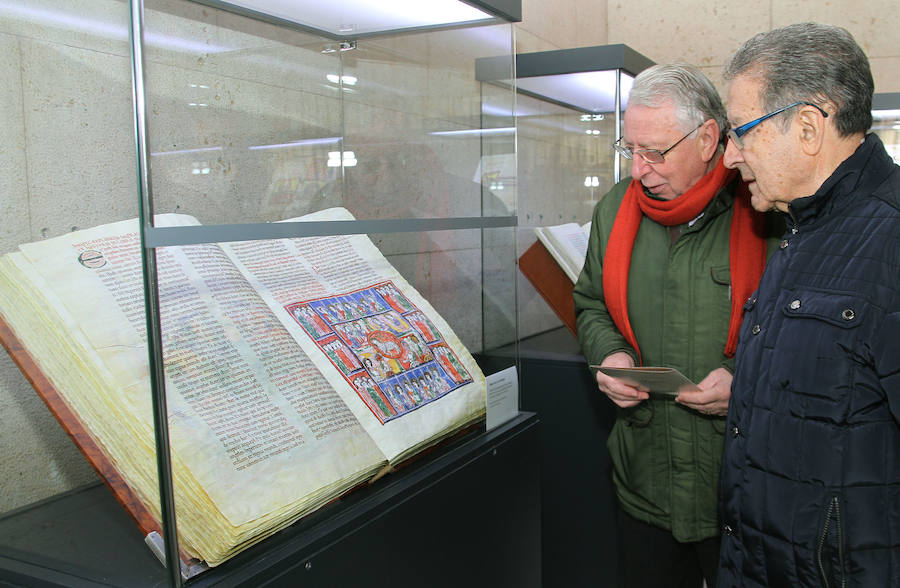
column 316, row 233
column 568, row 114
column 886, row 121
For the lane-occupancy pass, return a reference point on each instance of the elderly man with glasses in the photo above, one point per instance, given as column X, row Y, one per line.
column 811, row 467
column 674, row 252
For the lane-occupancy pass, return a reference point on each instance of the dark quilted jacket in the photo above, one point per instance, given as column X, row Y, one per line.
column 810, row 482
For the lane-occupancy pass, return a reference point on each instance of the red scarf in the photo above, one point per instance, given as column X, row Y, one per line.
column 747, row 247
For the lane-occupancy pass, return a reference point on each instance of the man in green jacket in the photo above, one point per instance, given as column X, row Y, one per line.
column 674, row 253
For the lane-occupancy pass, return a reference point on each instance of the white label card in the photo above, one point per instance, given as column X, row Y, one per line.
column 502, row 397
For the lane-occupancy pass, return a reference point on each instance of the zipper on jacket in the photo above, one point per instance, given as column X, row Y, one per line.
column 792, row 225
column 834, row 509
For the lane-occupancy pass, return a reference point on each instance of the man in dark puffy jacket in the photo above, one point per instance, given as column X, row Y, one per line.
column 810, row 481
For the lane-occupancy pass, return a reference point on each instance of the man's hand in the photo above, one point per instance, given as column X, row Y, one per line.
column 712, row 397
column 622, row 394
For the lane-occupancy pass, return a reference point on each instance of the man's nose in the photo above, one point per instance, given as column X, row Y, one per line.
column 733, row 155
column 639, row 167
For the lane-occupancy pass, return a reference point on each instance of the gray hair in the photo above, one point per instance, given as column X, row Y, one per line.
column 696, row 99
column 811, row 62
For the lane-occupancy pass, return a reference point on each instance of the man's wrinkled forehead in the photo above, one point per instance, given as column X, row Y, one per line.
column 743, row 98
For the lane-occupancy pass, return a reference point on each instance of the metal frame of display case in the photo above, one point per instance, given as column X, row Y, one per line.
column 153, row 237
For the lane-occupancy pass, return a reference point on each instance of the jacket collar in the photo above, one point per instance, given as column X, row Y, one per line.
column 720, row 203
column 859, row 174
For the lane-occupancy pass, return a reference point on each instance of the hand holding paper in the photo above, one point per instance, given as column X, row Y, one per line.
column 712, row 395
column 623, row 394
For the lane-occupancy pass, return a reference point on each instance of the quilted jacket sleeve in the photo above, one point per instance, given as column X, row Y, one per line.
column 886, row 352
column 597, row 333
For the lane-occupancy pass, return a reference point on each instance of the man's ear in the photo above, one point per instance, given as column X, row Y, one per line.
column 810, row 129
column 708, row 136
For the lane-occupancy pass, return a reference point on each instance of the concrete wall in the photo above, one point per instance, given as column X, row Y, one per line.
column 705, row 32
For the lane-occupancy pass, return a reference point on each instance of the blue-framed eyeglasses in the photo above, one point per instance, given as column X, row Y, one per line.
column 649, row 155
column 736, row 133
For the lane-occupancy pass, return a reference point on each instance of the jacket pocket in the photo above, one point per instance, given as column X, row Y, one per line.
column 639, row 415
column 721, row 277
column 721, row 274
column 830, row 547
column 816, row 350
column 845, row 311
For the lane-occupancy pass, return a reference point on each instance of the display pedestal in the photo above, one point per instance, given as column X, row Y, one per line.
column 578, row 503
column 466, row 514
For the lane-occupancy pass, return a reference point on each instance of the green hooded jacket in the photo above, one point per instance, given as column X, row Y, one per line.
column 665, row 456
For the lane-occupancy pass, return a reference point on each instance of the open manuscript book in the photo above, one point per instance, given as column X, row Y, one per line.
column 567, row 244
column 552, row 265
column 295, row 369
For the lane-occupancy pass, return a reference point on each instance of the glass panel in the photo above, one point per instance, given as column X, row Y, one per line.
column 499, row 197
column 566, row 164
column 268, row 127
column 244, row 119
column 282, row 126
column 886, row 124
column 67, row 151
column 248, row 123
column 413, row 122
column 498, row 295
column 449, row 278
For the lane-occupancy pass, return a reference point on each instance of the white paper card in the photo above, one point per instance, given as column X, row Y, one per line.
column 661, row 381
column 502, row 397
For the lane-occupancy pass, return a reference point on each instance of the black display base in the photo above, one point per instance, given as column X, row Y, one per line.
column 467, row 514
column 578, row 502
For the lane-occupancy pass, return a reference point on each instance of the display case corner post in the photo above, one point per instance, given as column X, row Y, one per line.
column 151, row 300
